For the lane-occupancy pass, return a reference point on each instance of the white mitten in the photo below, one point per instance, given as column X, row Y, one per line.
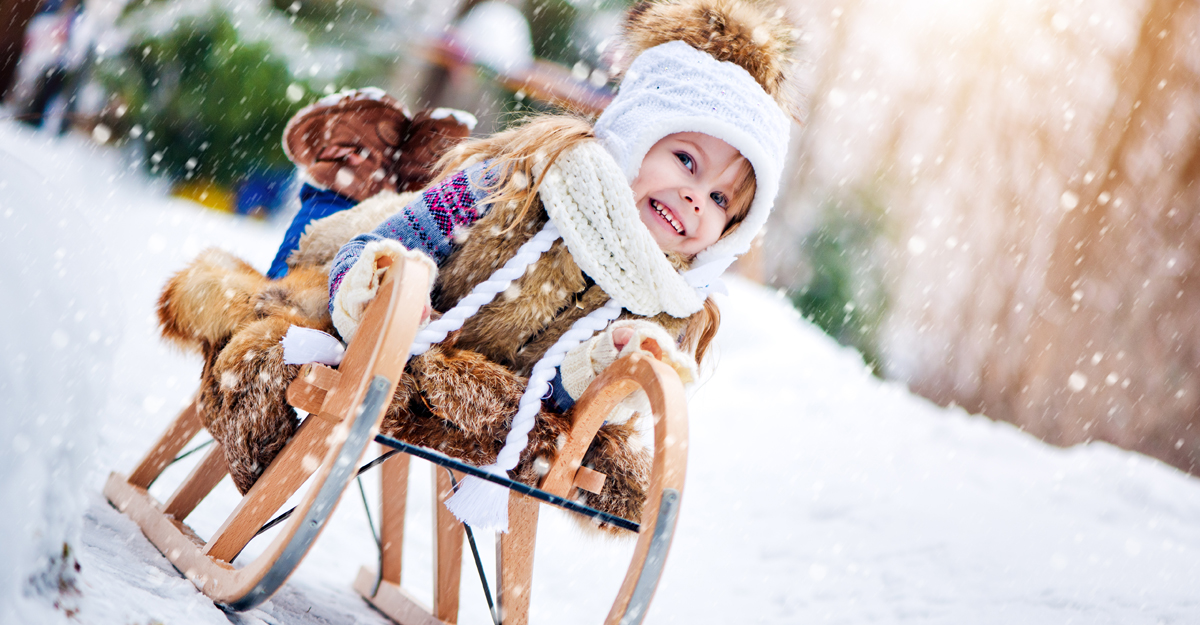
column 362, row 280
column 581, row 365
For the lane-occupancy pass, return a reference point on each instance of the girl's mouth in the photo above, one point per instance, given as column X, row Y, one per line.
column 666, row 215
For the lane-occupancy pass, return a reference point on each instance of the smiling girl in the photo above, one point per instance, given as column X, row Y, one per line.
column 620, row 227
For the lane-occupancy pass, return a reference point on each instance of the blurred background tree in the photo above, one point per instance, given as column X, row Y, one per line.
column 1038, row 163
column 207, row 87
column 205, row 102
column 842, row 288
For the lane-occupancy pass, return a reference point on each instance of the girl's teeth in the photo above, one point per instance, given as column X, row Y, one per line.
column 665, row 215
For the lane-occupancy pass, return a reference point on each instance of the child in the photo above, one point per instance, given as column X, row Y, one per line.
column 652, row 203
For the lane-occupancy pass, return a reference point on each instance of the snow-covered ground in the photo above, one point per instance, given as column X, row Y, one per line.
column 815, row 492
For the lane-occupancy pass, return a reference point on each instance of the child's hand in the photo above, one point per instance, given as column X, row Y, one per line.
column 621, row 337
column 382, row 265
column 587, row 361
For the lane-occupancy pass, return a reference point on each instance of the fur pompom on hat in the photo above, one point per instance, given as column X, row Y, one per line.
column 717, row 67
column 753, row 36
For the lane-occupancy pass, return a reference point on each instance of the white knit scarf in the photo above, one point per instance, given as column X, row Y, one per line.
column 588, row 197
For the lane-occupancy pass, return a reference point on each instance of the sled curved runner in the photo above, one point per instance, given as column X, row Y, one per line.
column 338, row 432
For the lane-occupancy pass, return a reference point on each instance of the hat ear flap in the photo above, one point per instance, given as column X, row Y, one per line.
column 391, row 130
column 430, row 134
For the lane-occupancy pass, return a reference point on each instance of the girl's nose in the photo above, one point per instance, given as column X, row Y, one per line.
column 694, row 203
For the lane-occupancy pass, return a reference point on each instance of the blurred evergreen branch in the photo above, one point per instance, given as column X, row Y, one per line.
column 550, row 23
column 207, row 87
column 204, row 102
column 845, row 295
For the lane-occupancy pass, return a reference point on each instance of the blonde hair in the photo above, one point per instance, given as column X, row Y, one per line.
column 515, row 152
column 542, row 138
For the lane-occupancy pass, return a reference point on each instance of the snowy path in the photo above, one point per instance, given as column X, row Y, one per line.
column 815, row 492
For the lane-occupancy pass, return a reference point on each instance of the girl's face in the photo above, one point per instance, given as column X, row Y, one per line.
column 684, row 190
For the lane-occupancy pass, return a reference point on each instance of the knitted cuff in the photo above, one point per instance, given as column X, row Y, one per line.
column 577, row 369
column 362, row 280
column 584, row 363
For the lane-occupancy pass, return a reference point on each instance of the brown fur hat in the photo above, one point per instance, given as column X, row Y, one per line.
column 753, row 34
column 397, row 150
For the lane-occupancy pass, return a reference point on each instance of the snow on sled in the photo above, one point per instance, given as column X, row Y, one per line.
column 346, row 406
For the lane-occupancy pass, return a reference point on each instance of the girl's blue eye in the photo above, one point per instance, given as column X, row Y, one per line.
column 685, row 159
column 720, row 199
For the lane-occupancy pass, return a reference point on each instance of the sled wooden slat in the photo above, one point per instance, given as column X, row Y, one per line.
column 203, row 478
column 669, row 406
column 182, row 429
column 174, row 539
column 396, row 602
column 307, row 392
column 394, row 480
column 373, row 362
column 589, row 480
column 447, row 551
column 514, row 559
column 617, row 382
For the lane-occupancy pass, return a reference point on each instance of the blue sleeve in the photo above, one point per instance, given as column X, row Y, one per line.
column 559, row 396
column 314, row 204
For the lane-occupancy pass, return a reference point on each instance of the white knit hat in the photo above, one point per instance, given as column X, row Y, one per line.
column 674, row 87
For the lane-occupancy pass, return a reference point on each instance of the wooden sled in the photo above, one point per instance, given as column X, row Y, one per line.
column 346, row 408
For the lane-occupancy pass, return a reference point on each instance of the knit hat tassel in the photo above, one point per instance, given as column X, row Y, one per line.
column 486, row 291
column 484, row 505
